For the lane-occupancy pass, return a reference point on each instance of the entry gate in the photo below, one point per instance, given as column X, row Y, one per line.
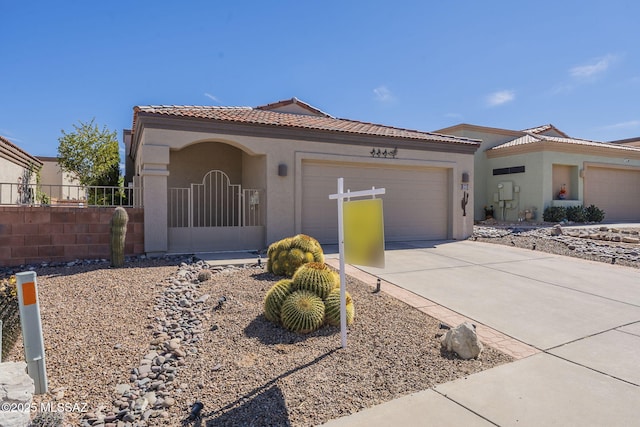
column 215, row 215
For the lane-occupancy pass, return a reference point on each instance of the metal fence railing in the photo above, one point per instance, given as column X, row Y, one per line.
column 239, row 208
column 19, row 194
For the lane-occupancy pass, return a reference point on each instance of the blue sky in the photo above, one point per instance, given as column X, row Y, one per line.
column 413, row 64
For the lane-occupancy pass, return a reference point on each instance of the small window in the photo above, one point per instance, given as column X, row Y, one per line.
column 507, row 171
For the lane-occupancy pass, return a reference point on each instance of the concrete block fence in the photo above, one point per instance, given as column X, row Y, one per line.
column 32, row 235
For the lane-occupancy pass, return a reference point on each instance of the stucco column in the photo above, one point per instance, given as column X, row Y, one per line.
column 154, row 173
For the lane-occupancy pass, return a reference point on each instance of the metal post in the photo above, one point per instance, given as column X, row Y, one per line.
column 340, row 196
column 32, row 329
column 343, row 283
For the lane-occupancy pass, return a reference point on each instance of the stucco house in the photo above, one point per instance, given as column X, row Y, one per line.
column 18, row 169
column 59, row 185
column 520, row 173
column 231, row 178
column 634, row 142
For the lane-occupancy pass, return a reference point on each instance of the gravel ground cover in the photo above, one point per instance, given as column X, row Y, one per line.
column 99, row 322
column 602, row 243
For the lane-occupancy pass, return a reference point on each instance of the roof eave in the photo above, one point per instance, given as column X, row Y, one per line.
column 161, row 121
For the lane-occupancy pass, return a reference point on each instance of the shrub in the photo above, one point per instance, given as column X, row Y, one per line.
column 576, row 214
column 554, row 214
column 594, row 214
column 9, row 314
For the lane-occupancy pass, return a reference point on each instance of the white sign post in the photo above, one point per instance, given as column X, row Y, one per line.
column 32, row 329
column 340, row 196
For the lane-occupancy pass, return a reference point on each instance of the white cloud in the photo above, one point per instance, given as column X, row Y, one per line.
column 383, row 94
column 500, row 97
column 10, row 136
column 593, row 69
column 212, row 97
column 631, row 124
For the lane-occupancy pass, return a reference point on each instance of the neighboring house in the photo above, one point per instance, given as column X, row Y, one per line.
column 520, row 173
column 231, row 178
column 56, row 183
column 634, row 142
column 18, row 170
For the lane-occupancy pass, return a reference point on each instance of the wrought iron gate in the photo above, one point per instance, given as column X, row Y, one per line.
column 213, row 205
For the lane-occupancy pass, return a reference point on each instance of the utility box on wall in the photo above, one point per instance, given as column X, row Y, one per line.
column 505, row 190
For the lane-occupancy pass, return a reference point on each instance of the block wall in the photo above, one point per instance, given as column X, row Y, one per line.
column 32, row 235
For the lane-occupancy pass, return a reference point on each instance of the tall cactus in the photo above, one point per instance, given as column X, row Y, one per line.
column 119, row 221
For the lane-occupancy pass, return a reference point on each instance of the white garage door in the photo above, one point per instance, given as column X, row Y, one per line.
column 616, row 191
column 415, row 204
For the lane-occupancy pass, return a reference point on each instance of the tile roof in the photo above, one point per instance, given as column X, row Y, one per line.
column 545, row 128
column 295, row 101
column 267, row 117
column 9, row 150
column 531, row 138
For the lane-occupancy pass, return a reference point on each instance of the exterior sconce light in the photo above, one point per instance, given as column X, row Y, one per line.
column 282, row 169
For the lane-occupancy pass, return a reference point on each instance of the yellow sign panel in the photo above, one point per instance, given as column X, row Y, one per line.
column 364, row 232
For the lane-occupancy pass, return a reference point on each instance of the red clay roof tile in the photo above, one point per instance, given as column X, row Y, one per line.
column 323, row 122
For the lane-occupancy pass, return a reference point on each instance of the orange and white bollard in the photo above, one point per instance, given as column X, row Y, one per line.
column 32, row 329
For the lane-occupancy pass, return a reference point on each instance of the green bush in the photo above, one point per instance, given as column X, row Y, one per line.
column 9, row 314
column 594, row 214
column 576, row 214
column 554, row 214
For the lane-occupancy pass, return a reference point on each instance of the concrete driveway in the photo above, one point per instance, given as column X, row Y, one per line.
column 583, row 316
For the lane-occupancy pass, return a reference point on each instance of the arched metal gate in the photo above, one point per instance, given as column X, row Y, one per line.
column 215, row 215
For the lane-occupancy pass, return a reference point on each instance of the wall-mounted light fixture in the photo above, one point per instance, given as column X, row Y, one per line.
column 282, row 169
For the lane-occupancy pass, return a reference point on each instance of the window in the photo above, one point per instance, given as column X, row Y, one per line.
column 507, row 171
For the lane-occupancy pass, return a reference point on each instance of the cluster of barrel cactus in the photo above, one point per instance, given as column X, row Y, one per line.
column 308, row 300
column 288, row 254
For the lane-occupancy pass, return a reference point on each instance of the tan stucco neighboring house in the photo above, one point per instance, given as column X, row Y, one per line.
column 231, row 178
column 56, row 183
column 16, row 165
column 520, row 173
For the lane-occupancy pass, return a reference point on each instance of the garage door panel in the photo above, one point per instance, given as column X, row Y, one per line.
column 614, row 190
column 415, row 203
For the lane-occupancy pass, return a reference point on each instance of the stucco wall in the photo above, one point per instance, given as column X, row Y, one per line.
column 259, row 164
column 490, row 137
column 54, row 182
column 189, row 165
column 9, row 171
column 537, row 185
column 531, row 184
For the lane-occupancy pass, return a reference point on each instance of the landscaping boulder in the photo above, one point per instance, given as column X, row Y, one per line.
column 16, row 392
column 556, row 230
column 463, row 341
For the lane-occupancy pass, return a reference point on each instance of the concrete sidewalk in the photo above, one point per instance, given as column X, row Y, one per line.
column 575, row 325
